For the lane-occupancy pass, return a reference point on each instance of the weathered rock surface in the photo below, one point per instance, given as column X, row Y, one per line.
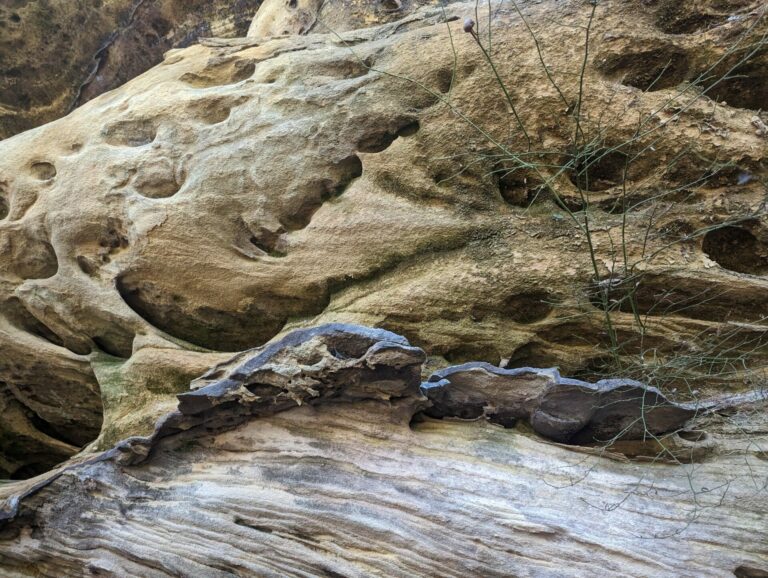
column 245, row 187
column 312, row 457
column 54, row 56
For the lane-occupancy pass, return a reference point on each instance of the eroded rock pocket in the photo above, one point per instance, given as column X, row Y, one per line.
column 318, row 191
column 741, row 81
column 43, row 171
column 130, row 133
column 737, row 249
column 599, row 170
column 201, row 324
column 648, row 70
column 219, row 72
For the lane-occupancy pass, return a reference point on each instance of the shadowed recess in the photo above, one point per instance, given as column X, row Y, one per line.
column 201, row 324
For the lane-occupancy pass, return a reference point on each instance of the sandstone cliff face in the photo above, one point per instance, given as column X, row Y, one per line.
column 54, row 56
column 378, row 175
column 249, row 186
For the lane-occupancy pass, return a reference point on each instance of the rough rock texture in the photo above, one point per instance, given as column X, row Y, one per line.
column 286, row 17
column 310, row 458
column 54, row 56
column 246, row 187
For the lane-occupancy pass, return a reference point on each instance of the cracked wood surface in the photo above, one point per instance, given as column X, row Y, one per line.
column 351, row 478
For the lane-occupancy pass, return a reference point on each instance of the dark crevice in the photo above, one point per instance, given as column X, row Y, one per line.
column 676, row 17
column 694, row 436
column 248, row 524
column 746, row 571
column 271, row 243
column 533, row 354
column 381, row 140
column 5, row 206
column 473, row 352
column 519, row 189
column 19, row 315
column 527, row 308
column 32, row 469
column 662, row 295
column 113, row 348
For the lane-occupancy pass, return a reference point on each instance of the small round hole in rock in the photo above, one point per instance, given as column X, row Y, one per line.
column 519, row 189
column 43, row 171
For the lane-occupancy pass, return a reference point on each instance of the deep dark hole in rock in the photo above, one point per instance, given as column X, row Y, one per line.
column 599, row 170
column 409, row 129
column 270, row 242
column 381, row 140
column 473, row 352
column 31, row 470
column 741, row 84
column 520, row 189
column 391, row 5
column 533, row 354
column 736, row 249
column 57, row 438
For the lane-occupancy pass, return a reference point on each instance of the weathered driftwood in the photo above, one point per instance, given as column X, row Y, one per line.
column 314, row 457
